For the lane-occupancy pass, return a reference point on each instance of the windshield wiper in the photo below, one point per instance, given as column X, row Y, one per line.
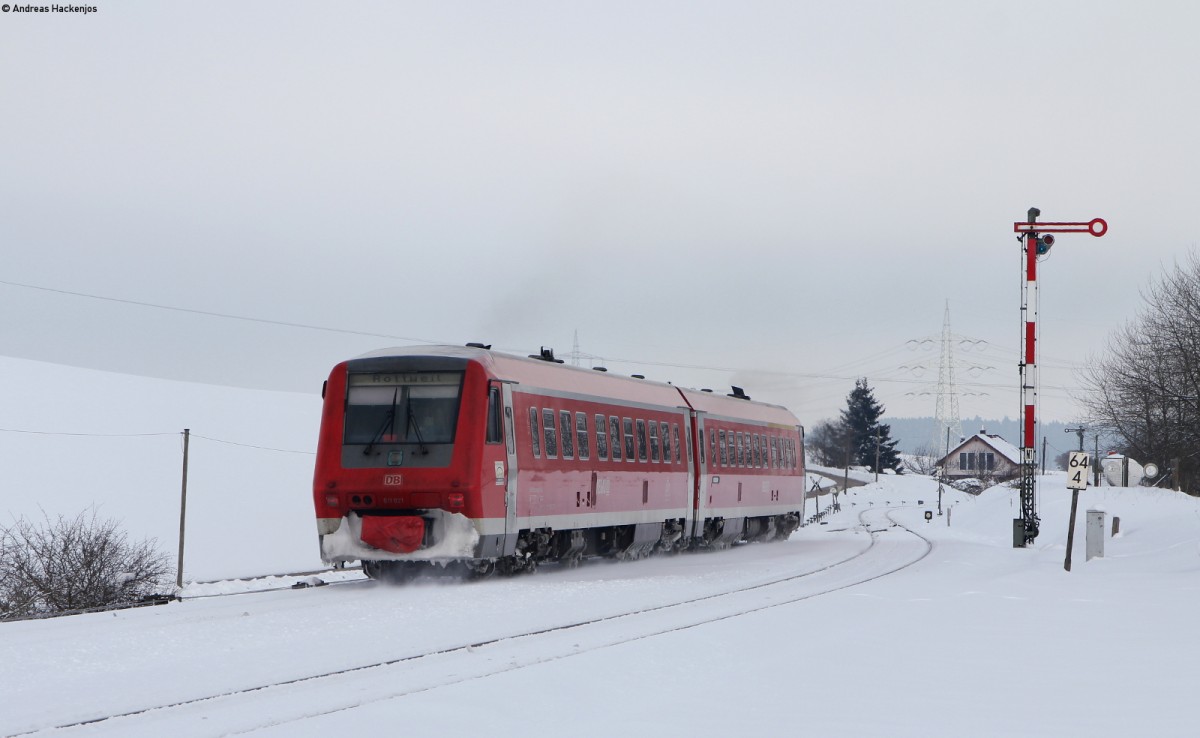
column 412, row 420
column 389, row 424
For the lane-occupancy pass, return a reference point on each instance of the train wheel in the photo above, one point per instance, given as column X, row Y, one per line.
column 481, row 569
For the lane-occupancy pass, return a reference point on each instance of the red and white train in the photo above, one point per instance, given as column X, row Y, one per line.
column 464, row 455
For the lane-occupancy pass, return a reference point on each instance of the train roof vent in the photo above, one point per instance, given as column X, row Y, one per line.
column 706, row 390
column 547, row 354
column 485, row 346
column 638, row 376
column 599, row 368
column 739, row 393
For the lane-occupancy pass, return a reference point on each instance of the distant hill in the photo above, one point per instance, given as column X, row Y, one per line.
column 914, row 434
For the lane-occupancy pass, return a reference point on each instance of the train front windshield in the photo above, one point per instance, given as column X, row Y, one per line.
column 409, row 408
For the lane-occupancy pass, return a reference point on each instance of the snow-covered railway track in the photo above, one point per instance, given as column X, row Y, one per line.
column 283, row 702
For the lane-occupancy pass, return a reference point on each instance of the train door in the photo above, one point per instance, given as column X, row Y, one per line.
column 510, row 486
column 700, row 464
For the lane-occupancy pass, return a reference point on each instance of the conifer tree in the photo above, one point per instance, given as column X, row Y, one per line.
column 861, row 417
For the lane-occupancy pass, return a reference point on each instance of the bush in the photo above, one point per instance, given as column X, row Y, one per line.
column 74, row 563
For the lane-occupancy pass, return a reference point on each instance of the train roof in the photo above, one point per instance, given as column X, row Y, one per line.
column 553, row 376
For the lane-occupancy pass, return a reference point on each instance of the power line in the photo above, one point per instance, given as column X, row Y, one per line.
column 147, row 435
column 250, row 445
column 212, row 314
column 91, row 435
column 417, row 340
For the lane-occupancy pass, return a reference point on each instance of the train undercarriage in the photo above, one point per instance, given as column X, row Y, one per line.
column 571, row 547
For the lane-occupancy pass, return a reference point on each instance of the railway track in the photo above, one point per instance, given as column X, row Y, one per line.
column 892, row 548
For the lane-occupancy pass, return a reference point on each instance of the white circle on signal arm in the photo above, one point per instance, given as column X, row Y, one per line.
column 1150, row 470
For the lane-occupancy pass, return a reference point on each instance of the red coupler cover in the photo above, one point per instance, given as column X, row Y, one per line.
column 398, row 535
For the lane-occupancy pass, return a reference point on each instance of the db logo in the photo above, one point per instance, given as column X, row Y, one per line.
column 392, row 480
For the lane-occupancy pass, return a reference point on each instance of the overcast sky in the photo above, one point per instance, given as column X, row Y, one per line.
column 791, row 190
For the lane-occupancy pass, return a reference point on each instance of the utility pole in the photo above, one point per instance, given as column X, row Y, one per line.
column 1043, row 456
column 846, row 477
column 1036, row 239
column 876, row 452
column 182, row 507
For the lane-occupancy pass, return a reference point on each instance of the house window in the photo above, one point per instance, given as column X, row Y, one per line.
column 962, row 462
column 991, row 461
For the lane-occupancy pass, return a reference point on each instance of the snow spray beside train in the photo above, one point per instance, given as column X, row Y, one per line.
column 496, row 463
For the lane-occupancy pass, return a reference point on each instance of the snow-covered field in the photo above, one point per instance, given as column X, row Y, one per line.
column 859, row 627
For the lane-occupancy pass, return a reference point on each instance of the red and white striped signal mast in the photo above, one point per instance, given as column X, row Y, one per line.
column 1036, row 239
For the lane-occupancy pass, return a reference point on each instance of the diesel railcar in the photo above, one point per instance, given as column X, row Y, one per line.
column 490, row 462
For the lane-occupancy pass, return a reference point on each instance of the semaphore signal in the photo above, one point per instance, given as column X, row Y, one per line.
column 1035, row 241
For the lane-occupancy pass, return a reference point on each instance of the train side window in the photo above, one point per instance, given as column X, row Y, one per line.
column 675, row 439
column 568, row 438
column 550, row 432
column 629, row 453
column 494, row 431
column 508, row 430
column 614, row 427
column 724, row 455
column 741, row 449
column 641, row 440
column 791, row 453
column 712, row 447
column 653, row 441
column 602, row 437
column 774, row 452
column 535, row 433
column 757, row 445
column 687, row 431
column 581, row 430
column 664, row 433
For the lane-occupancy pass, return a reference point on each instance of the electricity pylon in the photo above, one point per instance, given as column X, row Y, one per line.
column 947, row 422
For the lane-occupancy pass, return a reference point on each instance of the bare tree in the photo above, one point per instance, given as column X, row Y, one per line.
column 1145, row 391
column 924, row 461
column 74, row 563
column 827, row 443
